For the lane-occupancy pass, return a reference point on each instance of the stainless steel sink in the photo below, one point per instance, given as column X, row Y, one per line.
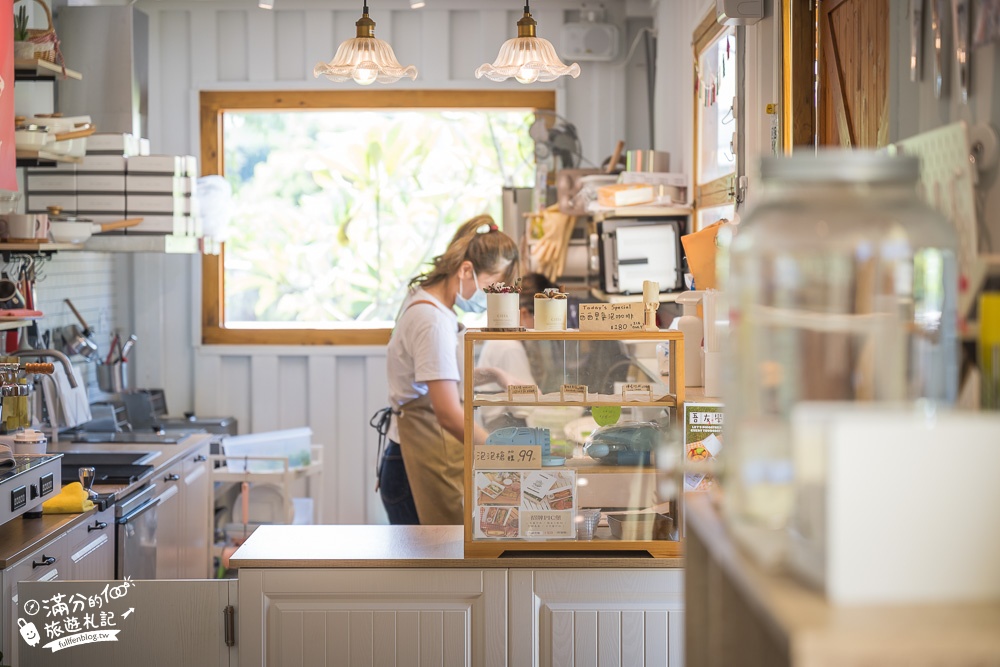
column 109, row 467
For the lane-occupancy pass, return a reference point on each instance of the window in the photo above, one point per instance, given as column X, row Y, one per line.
column 339, row 198
column 715, row 57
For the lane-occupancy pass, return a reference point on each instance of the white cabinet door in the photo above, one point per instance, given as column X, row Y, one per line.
column 152, row 624
column 382, row 617
column 598, row 618
column 91, row 548
column 47, row 563
column 195, row 558
column 169, row 516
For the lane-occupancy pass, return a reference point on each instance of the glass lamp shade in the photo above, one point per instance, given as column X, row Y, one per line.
column 364, row 58
column 527, row 58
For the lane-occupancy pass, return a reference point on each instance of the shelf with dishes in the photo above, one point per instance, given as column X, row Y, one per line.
column 35, row 69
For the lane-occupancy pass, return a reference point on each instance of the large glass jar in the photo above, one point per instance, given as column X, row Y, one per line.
column 842, row 287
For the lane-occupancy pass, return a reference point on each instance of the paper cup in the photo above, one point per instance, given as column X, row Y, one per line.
column 550, row 314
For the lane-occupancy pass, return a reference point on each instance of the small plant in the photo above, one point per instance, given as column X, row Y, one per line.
column 551, row 293
column 503, row 288
column 21, row 24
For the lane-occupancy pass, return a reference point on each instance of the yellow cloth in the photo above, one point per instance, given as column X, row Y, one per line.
column 71, row 500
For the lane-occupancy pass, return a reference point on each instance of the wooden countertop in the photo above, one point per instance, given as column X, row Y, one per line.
column 818, row 633
column 402, row 547
column 21, row 536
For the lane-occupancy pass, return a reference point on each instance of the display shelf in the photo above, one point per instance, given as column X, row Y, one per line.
column 35, row 69
column 155, row 243
column 38, row 158
column 510, row 509
column 37, row 247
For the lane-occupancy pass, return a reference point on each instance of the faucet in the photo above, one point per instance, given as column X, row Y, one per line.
column 55, row 354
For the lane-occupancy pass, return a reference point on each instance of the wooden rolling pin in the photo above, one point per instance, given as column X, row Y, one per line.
column 613, row 164
column 38, row 368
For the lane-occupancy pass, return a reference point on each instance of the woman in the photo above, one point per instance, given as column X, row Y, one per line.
column 420, row 476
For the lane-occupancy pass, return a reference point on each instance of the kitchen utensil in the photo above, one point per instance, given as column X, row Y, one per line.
column 10, row 294
column 87, row 475
column 613, row 162
column 77, row 341
column 916, row 38
column 127, row 347
column 112, row 348
column 78, row 231
column 23, row 227
column 939, row 9
column 963, row 22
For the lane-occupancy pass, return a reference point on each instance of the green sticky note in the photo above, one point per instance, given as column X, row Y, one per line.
column 605, row 415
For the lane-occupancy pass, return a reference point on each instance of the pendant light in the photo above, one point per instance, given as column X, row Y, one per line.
column 527, row 57
column 364, row 58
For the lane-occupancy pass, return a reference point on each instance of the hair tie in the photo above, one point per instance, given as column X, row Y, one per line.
column 493, row 227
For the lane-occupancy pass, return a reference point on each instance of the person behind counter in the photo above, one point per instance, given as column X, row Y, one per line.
column 420, row 472
column 515, row 357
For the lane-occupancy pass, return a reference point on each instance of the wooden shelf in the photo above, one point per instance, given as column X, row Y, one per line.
column 37, row 158
column 8, row 325
column 41, row 69
column 574, row 335
column 37, row 247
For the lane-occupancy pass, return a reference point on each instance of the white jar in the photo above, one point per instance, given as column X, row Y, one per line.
column 30, row 441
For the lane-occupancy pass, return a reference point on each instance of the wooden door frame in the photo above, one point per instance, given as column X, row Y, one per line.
column 799, row 117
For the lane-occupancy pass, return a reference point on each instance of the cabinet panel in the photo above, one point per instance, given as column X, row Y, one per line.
column 91, row 548
column 48, row 563
column 383, row 617
column 194, row 557
column 168, row 522
column 596, row 617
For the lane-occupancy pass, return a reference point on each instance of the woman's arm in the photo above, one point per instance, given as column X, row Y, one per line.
column 449, row 412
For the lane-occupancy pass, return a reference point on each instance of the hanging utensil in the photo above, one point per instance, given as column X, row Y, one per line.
column 128, row 347
column 77, row 341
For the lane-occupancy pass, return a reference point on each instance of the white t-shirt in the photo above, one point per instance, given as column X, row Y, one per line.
column 425, row 346
column 509, row 356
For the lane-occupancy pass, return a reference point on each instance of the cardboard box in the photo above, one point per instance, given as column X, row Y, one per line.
column 158, row 184
column 101, row 203
column 625, row 194
column 155, row 164
column 109, row 183
column 110, row 143
column 102, row 163
column 61, row 183
column 39, row 203
column 138, row 205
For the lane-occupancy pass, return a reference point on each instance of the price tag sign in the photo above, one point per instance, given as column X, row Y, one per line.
column 635, row 391
column 522, row 392
column 612, row 317
column 513, row 457
column 573, row 392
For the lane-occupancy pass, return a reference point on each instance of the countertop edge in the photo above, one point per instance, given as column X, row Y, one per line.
column 61, row 523
column 610, row 562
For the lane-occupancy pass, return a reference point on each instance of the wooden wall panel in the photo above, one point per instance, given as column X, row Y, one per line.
column 463, row 39
column 172, row 82
column 264, row 50
column 289, row 27
column 292, row 391
column 231, row 45
column 318, row 43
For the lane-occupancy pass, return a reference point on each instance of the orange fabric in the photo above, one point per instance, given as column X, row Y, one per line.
column 701, row 249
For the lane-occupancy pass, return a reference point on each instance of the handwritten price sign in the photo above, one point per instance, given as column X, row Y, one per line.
column 514, row 457
column 612, row 317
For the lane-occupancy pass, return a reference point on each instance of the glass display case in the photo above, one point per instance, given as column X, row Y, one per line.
column 573, row 444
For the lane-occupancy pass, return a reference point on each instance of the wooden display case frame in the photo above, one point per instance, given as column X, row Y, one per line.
column 495, row 548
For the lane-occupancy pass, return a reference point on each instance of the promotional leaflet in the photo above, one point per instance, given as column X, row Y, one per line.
column 524, row 504
column 702, row 441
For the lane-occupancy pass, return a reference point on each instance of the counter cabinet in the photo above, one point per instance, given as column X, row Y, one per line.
column 515, row 502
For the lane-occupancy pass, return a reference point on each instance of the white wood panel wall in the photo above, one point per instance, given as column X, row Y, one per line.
column 236, row 46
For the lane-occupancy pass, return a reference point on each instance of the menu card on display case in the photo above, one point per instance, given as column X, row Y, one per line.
column 702, row 441
column 524, row 503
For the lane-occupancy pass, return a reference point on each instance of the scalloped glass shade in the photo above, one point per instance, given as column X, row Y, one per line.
column 365, row 60
column 527, row 59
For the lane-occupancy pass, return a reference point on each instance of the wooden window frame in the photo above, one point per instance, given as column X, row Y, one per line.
column 722, row 190
column 212, row 106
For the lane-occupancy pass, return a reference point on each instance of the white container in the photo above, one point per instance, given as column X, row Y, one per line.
column 30, row 441
column 550, row 314
column 503, row 311
column 903, row 503
column 693, row 329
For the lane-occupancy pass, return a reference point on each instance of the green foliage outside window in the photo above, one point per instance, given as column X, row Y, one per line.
column 335, row 211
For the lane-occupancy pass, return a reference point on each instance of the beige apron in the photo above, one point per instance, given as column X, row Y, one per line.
column 434, row 462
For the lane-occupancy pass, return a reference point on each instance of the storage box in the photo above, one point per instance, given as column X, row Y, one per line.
column 61, row 183
column 102, row 163
column 99, row 203
column 625, row 194
column 292, row 445
column 156, row 164
column 157, row 184
column 39, row 203
column 109, row 183
column 157, row 204
column 110, row 143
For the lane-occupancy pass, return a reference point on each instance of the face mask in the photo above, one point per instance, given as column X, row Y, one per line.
column 475, row 303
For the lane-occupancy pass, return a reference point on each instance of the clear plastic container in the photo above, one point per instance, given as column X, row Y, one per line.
column 842, row 287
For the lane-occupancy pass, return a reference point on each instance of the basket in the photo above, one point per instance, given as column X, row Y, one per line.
column 45, row 40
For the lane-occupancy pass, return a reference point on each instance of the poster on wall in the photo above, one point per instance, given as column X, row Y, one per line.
column 8, row 155
column 702, row 441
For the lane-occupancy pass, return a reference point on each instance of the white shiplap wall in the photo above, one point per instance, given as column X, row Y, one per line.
column 236, row 46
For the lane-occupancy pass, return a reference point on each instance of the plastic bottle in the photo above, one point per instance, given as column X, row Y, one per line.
column 693, row 329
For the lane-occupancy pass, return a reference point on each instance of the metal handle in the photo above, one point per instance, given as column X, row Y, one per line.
column 201, row 458
column 46, row 561
column 98, row 525
column 172, row 477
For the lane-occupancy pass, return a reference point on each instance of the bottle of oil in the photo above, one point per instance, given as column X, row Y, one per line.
column 842, row 287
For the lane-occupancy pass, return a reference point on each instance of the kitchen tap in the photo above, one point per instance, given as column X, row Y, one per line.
column 55, row 354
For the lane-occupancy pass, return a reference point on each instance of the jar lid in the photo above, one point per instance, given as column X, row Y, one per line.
column 29, row 435
column 843, row 166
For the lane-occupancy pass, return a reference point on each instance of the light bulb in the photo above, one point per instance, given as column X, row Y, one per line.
column 526, row 75
column 417, row 4
column 365, row 76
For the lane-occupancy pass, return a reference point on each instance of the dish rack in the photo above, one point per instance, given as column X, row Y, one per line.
column 256, row 489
